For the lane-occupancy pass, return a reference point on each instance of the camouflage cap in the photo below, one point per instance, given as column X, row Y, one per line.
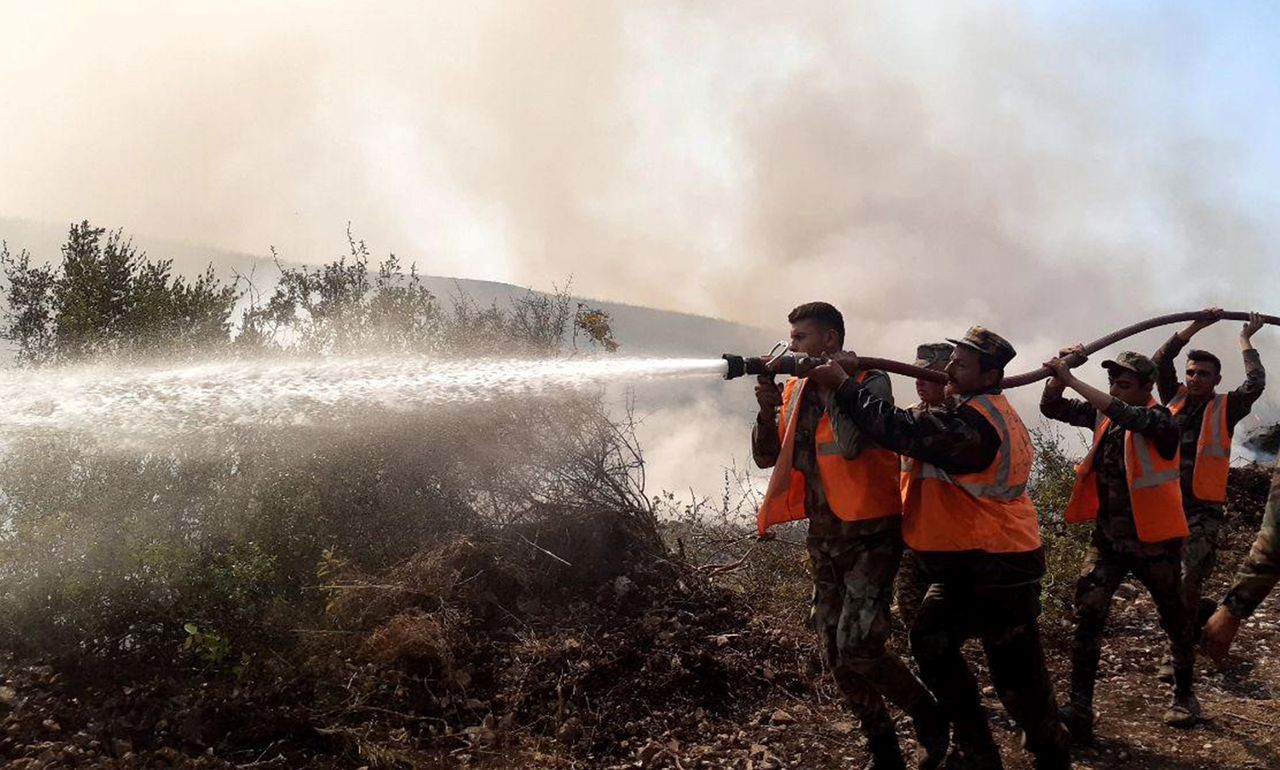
column 984, row 340
column 933, row 355
column 1130, row 361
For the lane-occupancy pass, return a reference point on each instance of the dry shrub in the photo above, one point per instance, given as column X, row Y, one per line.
column 420, row 642
column 460, row 571
column 717, row 536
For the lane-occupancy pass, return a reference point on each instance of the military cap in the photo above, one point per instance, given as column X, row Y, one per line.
column 1136, row 363
column 984, row 340
column 933, row 355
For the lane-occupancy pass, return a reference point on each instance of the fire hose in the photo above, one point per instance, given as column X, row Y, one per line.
column 799, row 366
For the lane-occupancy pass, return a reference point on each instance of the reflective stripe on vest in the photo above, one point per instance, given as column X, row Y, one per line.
column 1155, row 492
column 1213, row 448
column 988, row 510
column 1150, row 476
column 865, row 487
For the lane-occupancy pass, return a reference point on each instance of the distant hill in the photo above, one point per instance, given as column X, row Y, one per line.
column 641, row 330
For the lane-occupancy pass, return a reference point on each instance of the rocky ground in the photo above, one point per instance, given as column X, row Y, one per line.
column 453, row 661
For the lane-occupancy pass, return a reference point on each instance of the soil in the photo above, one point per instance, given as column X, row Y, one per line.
column 468, row 656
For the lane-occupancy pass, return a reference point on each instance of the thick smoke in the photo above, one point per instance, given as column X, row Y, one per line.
column 923, row 168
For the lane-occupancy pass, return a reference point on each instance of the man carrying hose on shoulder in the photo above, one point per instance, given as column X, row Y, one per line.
column 967, row 517
column 828, row 471
column 1206, row 421
column 1128, row 485
column 911, row 584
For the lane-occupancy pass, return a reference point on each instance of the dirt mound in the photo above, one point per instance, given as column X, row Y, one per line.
column 1248, row 487
column 501, row 641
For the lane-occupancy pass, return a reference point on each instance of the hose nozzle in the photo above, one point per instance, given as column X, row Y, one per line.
column 795, row 366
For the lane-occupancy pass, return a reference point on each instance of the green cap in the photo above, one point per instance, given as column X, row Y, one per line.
column 1130, row 361
column 984, row 340
column 933, row 355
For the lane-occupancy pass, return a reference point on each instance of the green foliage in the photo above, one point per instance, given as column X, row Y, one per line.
column 213, row 650
column 1052, row 479
column 339, row 308
column 107, row 299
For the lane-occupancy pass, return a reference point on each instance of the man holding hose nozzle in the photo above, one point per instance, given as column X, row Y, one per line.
column 967, row 517
column 826, row 470
column 1206, row 420
column 1128, row 485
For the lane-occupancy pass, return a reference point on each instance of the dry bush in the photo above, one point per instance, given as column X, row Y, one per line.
column 717, row 537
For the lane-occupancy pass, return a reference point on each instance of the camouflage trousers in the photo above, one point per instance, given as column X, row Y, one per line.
column 1105, row 567
column 852, row 592
column 1006, row 620
column 1199, row 557
column 909, row 589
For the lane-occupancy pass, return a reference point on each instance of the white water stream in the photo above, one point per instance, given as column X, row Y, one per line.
column 155, row 401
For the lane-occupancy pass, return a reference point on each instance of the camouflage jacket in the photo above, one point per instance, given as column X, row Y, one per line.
column 1239, row 403
column 1261, row 568
column 766, row 445
column 956, row 439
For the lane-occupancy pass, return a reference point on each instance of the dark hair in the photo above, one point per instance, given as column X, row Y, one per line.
column 824, row 313
column 1204, row 356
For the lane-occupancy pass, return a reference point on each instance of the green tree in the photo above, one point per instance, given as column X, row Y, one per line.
column 1052, row 479
column 105, row 298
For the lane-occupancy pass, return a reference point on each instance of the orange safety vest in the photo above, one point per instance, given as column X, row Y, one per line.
column 1154, row 489
column 984, row 511
column 1213, row 452
column 906, row 463
column 858, row 489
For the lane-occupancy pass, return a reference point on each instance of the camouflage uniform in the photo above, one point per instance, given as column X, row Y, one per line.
column 1204, row 518
column 1115, row 550
column 911, row 585
column 1261, row 568
column 992, row 596
column 852, row 564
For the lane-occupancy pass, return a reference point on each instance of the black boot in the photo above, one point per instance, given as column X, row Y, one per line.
column 1185, row 709
column 884, row 751
column 1078, row 719
column 974, row 748
column 1052, row 750
column 933, row 733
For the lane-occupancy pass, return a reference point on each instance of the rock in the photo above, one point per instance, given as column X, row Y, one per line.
column 8, row 697
column 780, row 717
column 843, row 728
column 989, row 692
column 51, row 726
